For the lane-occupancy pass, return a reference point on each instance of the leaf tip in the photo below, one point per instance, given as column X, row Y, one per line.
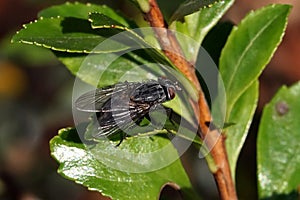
column 63, row 130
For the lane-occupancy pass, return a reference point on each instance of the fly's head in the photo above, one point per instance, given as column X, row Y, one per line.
column 169, row 87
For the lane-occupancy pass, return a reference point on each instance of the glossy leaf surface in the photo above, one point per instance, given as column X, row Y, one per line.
column 249, row 48
column 278, row 146
column 247, row 51
column 67, row 35
column 82, row 165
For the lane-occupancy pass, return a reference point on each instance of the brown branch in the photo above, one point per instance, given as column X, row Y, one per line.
column 214, row 140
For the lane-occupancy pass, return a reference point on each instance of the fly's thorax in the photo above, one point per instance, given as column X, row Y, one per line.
column 150, row 93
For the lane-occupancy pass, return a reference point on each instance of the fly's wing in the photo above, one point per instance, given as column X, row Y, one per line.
column 108, row 124
column 114, row 109
column 122, row 117
column 93, row 101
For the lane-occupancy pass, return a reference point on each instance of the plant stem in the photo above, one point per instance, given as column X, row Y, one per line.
column 214, row 140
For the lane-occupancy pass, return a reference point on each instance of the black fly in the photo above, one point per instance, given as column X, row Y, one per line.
column 121, row 106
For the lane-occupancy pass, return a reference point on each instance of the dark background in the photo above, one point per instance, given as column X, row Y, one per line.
column 35, row 102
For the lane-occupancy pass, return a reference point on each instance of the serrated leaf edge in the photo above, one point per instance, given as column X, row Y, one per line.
column 51, row 47
column 234, row 29
column 61, row 165
column 201, row 8
column 117, row 26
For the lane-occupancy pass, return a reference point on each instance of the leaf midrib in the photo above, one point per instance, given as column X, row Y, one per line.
column 246, row 51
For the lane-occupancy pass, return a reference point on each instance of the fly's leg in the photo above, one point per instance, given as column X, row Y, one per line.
column 123, row 136
column 169, row 115
column 138, row 121
column 155, row 122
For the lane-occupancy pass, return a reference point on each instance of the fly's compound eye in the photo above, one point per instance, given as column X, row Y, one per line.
column 171, row 93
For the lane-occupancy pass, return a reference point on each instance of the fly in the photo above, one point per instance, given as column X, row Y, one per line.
column 119, row 107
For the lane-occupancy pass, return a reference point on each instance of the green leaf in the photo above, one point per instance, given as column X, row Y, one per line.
column 241, row 115
column 189, row 7
column 249, row 48
column 135, row 39
column 65, row 28
column 278, row 146
column 96, row 166
column 197, row 25
column 102, row 70
column 99, row 20
column 67, row 34
column 131, row 37
column 82, row 11
column 242, row 60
